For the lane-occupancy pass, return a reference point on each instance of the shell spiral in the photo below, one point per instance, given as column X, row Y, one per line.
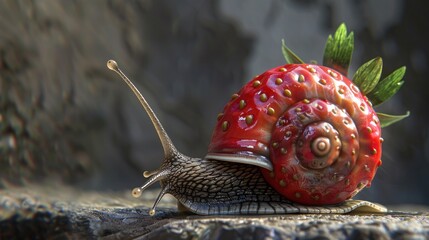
column 316, row 127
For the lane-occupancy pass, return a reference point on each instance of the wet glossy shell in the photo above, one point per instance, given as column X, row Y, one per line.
column 320, row 133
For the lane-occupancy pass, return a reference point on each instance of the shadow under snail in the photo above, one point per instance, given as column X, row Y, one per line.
column 298, row 138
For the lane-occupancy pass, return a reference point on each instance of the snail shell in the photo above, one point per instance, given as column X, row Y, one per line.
column 320, row 134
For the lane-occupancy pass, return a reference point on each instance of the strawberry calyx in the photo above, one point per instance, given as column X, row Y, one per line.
column 338, row 55
column 339, row 50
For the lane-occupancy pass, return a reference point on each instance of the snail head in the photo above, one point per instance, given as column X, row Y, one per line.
column 170, row 152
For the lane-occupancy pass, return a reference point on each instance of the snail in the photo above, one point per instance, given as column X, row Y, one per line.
column 298, row 138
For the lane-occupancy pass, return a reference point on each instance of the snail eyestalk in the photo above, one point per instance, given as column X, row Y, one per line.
column 167, row 145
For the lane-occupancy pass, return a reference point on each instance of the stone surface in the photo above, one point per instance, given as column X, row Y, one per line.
column 64, row 212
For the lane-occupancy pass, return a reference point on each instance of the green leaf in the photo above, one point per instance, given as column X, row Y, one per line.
column 290, row 56
column 368, row 75
column 387, row 87
column 339, row 50
column 386, row 119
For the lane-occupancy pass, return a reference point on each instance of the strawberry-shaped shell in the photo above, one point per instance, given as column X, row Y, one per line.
column 316, row 127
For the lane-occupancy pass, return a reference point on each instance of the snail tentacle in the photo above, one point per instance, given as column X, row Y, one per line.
column 159, row 176
column 167, row 144
column 161, row 194
column 147, row 174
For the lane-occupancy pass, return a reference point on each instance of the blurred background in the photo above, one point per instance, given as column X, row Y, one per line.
column 65, row 118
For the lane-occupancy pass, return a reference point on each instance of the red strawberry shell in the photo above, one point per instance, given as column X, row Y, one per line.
column 318, row 130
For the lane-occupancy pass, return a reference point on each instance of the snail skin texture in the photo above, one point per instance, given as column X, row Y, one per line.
column 228, row 183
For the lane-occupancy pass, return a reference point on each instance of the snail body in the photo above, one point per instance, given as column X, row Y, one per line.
column 224, row 183
column 298, row 138
column 211, row 187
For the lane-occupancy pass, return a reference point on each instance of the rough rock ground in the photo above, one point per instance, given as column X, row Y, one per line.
column 41, row 212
